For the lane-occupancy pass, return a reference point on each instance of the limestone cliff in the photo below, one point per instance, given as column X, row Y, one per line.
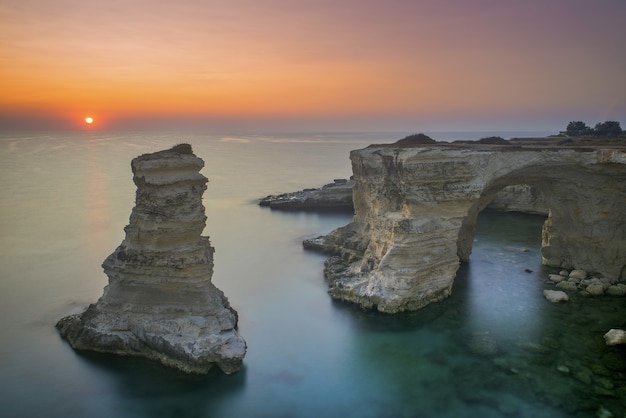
column 160, row 302
column 416, row 210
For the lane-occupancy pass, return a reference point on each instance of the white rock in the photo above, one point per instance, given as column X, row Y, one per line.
column 600, row 283
column 555, row 296
column 578, row 274
column 595, row 289
column 574, row 280
column 606, row 282
column 615, row 336
column 567, row 285
column 556, row 278
column 615, row 291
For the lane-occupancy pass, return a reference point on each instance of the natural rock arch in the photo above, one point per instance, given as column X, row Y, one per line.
column 581, row 200
column 416, row 209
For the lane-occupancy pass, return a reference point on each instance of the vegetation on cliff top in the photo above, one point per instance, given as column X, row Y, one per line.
column 493, row 140
column 577, row 134
column 415, row 139
column 182, row 148
column 604, row 129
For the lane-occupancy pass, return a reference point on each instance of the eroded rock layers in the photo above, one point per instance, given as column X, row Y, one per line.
column 416, row 210
column 160, row 302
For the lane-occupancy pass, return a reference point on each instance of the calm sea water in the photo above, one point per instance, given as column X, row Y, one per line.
column 495, row 348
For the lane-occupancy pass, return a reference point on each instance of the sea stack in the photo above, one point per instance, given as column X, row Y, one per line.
column 160, row 302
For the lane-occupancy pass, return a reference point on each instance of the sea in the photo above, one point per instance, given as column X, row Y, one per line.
column 495, row 348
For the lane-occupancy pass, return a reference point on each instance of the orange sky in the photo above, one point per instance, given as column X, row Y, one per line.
column 384, row 64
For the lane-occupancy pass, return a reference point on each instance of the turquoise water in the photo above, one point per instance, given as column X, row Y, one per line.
column 495, row 348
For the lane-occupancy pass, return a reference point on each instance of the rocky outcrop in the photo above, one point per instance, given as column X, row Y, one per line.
column 580, row 282
column 416, row 209
column 335, row 196
column 338, row 196
column 160, row 302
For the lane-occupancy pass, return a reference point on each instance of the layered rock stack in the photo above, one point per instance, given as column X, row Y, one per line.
column 160, row 302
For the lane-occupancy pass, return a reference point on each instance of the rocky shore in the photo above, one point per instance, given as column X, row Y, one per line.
column 571, row 284
column 581, row 282
column 335, row 196
column 160, row 302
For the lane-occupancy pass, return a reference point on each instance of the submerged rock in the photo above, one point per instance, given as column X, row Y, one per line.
column 483, row 344
column 160, row 302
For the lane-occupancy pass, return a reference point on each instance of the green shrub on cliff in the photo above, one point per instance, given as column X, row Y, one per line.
column 415, row 139
column 494, row 140
column 578, row 128
column 608, row 128
column 182, row 148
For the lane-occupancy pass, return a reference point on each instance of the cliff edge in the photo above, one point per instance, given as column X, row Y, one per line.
column 160, row 302
column 416, row 207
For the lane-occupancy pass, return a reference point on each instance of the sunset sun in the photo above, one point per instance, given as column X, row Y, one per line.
column 89, row 120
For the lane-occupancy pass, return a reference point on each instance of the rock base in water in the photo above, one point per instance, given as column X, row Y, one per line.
column 160, row 302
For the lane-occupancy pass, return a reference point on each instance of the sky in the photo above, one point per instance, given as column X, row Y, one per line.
column 324, row 65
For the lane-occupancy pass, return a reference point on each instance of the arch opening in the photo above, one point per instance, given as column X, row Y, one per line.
column 514, row 197
column 501, row 287
column 583, row 229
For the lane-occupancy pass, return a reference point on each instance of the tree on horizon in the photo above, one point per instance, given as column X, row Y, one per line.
column 578, row 128
column 607, row 128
